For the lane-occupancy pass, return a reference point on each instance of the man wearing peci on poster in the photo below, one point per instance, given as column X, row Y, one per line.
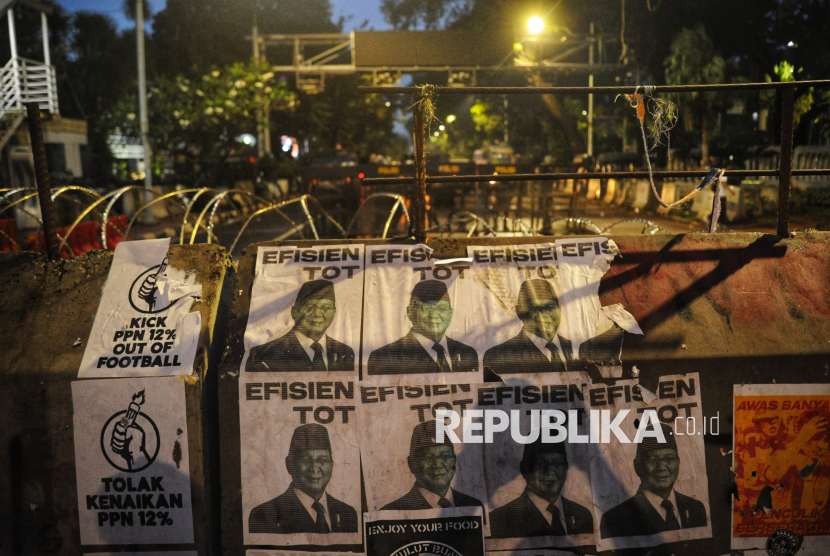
column 306, row 347
column 657, row 507
column 541, row 510
column 538, row 348
column 306, row 507
column 433, row 465
column 425, row 348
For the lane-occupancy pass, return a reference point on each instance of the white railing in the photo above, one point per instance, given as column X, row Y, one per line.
column 23, row 81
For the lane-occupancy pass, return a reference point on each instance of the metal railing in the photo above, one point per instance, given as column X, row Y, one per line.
column 784, row 171
column 23, row 81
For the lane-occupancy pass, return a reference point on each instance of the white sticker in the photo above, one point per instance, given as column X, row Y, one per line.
column 417, row 319
column 131, row 460
column 300, row 462
column 144, row 326
column 305, row 312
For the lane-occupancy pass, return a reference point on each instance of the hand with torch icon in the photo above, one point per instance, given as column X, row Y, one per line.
column 149, row 288
column 128, row 437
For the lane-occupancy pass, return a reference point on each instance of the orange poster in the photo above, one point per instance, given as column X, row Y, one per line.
column 781, row 460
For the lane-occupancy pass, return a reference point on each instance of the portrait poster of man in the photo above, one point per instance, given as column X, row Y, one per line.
column 404, row 468
column 417, row 318
column 539, row 493
column 305, row 311
column 596, row 332
column 300, row 463
column 518, row 291
column 782, row 462
column 650, row 493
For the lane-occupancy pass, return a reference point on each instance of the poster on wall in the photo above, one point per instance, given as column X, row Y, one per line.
column 650, row 489
column 782, row 467
column 305, row 311
column 300, row 462
column 144, row 325
column 541, row 307
column 538, row 481
column 132, row 461
column 406, row 466
column 456, row 533
column 417, row 318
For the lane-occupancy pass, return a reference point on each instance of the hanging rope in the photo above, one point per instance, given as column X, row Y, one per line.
column 664, row 116
column 426, row 105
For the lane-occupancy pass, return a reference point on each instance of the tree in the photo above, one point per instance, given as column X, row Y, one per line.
column 202, row 118
column 692, row 61
column 192, row 35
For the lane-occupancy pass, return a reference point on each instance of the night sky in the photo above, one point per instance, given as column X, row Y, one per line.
column 360, row 10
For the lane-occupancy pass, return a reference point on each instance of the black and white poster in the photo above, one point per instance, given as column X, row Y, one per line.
column 144, row 325
column 132, row 463
column 647, row 491
column 451, row 535
column 417, row 319
column 541, row 307
column 305, row 311
column 538, row 476
column 406, row 465
column 300, row 462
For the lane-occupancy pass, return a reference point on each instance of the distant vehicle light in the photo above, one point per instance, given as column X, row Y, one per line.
column 361, row 175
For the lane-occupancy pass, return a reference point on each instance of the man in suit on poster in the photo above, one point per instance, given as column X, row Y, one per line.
column 425, row 348
column 537, row 348
column 433, row 465
column 305, row 507
column 656, row 507
column 541, row 510
column 306, row 347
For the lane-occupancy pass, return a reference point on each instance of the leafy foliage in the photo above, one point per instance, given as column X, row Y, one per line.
column 202, row 118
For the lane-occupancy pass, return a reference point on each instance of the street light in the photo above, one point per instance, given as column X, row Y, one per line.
column 535, row 25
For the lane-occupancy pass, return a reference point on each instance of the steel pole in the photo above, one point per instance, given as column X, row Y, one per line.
column 142, row 109
column 44, row 190
column 785, row 165
column 591, row 96
column 419, row 202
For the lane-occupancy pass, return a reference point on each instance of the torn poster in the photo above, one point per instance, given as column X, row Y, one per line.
column 132, row 461
column 305, row 311
column 542, row 307
column 417, row 318
column 300, row 462
column 144, row 325
column 405, row 466
column 782, row 465
column 458, row 533
column 539, row 492
column 654, row 491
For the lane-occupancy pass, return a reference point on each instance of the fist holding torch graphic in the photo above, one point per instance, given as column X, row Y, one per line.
column 149, row 288
column 128, row 437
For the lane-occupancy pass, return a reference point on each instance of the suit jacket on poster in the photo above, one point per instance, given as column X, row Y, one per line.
column 285, row 515
column 521, row 518
column 603, row 349
column 414, row 500
column 520, row 355
column 636, row 516
column 407, row 356
column 286, row 355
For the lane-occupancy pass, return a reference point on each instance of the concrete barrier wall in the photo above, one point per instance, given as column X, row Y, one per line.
column 45, row 308
column 736, row 308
